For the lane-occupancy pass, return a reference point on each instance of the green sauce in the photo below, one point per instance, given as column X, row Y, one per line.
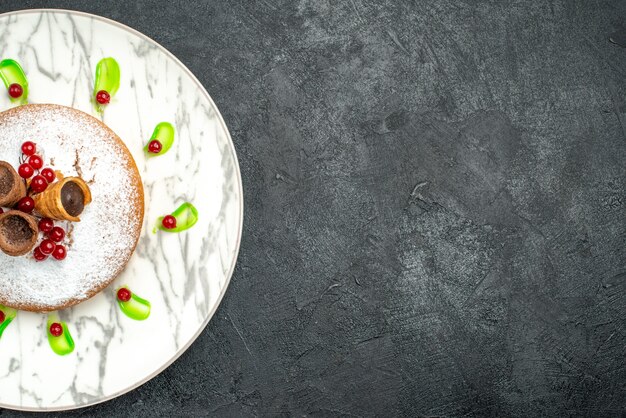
column 186, row 216
column 9, row 315
column 164, row 133
column 11, row 72
column 63, row 344
column 107, row 79
column 136, row 308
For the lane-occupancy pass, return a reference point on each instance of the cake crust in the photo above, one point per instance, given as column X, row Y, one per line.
column 125, row 184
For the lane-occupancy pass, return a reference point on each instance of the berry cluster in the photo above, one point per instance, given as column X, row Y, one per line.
column 52, row 242
column 31, row 165
column 31, row 162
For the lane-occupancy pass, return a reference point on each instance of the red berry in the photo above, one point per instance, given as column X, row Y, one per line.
column 46, row 225
column 56, row 329
column 29, row 148
column 59, row 252
column 35, row 161
column 26, row 204
column 47, row 246
column 103, row 97
column 15, row 90
column 39, row 256
column 38, row 184
column 2, row 317
column 155, row 146
column 123, row 294
column 57, row 234
column 169, row 222
column 48, row 174
column 25, row 171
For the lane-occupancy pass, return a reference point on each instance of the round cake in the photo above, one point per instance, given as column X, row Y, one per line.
column 100, row 244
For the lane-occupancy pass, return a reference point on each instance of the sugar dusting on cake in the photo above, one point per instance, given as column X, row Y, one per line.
column 76, row 145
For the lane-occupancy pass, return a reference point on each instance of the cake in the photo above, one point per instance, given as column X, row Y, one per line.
column 96, row 198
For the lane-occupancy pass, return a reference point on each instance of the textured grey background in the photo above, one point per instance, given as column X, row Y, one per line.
column 435, row 200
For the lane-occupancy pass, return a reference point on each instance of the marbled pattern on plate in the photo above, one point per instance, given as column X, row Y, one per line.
column 182, row 275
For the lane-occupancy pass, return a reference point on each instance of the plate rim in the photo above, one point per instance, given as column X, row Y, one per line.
column 231, row 269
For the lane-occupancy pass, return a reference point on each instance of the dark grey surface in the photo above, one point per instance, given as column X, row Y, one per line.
column 435, row 200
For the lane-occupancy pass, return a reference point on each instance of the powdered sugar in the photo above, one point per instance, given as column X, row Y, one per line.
column 101, row 244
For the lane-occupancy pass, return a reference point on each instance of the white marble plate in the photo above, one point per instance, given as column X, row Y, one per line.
column 184, row 275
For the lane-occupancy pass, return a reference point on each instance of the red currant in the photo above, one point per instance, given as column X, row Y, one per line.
column 59, row 252
column 2, row 317
column 26, row 204
column 56, row 329
column 35, row 161
column 47, row 246
column 29, row 148
column 46, row 225
column 25, row 171
column 155, row 146
column 15, row 90
column 169, row 222
column 123, row 294
column 57, row 234
column 39, row 256
column 38, row 184
column 103, row 97
column 48, row 174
